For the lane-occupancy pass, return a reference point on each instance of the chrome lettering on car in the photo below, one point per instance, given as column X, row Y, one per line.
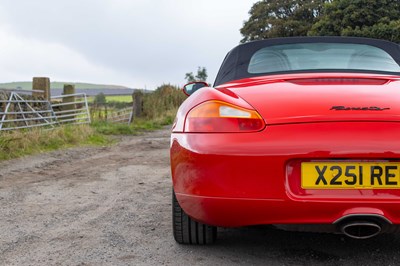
column 347, row 108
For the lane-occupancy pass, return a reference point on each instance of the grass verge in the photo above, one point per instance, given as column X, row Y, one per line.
column 20, row 143
column 139, row 125
column 16, row 144
column 159, row 109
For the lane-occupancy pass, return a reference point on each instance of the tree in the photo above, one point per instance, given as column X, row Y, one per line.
column 363, row 18
column 190, row 77
column 201, row 75
column 100, row 99
column 281, row 18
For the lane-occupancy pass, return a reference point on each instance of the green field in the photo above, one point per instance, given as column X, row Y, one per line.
column 114, row 98
column 119, row 98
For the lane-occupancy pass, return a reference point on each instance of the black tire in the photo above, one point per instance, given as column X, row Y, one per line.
column 187, row 231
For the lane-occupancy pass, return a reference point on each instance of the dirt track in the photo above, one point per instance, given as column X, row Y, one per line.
column 111, row 206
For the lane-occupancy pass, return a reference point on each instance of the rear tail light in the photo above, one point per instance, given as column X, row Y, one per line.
column 218, row 116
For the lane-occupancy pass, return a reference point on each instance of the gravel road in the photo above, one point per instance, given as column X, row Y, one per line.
column 111, row 206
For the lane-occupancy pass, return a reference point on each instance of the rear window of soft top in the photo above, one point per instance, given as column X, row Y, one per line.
column 321, row 56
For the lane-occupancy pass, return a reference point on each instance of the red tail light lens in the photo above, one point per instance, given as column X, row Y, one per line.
column 218, row 116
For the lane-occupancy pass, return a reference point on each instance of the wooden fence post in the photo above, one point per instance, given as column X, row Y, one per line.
column 41, row 84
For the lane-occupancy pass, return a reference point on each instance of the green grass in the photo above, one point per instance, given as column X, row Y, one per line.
column 114, row 98
column 17, row 144
column 20, row 143
column 119, row 98
column 136, row 128
column 107, row 128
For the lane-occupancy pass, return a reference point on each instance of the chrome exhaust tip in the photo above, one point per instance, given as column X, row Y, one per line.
column 361, row 230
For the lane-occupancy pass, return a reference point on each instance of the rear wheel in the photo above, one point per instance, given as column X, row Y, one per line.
column 188, row 231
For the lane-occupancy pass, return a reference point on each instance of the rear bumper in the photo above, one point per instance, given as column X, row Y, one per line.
column 249, row 179
column 230, row 212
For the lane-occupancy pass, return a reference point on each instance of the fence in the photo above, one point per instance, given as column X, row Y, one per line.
column 38, row 109
column 121, row 116
column 19, row 113
column 71, row 108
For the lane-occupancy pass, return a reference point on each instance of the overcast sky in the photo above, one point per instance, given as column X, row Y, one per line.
column 135, row 43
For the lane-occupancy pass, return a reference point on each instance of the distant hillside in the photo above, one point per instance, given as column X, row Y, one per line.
column 27, row 85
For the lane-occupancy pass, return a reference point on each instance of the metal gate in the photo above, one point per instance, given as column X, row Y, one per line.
column 121, row 116
column 19, row 113
column 71, row 108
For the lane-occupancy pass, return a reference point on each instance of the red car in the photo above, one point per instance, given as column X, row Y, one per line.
column 300, row 133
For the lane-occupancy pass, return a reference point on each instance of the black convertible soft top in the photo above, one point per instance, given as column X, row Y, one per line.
column 236, row 63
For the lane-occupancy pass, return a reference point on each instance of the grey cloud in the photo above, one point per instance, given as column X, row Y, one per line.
column 158, row 41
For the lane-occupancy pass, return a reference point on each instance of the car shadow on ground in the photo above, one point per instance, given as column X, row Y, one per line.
column 263, row 245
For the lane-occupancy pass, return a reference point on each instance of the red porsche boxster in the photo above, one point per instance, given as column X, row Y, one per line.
column 300, row 133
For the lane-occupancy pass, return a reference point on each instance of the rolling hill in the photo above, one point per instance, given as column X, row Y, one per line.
column 27, row 85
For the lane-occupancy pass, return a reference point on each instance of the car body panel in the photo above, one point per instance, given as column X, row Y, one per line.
column 239, row 179
column 234, row 212
column 262, row 167
column 294, row 100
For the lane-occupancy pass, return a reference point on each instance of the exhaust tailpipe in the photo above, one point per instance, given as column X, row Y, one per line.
column 361, row 230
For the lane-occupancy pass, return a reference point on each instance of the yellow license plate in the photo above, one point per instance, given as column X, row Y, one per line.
column 350, row 175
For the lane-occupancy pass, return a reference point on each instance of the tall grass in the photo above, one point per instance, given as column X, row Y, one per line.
column 19, row 143
column 159, row 109
column 163, row 102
